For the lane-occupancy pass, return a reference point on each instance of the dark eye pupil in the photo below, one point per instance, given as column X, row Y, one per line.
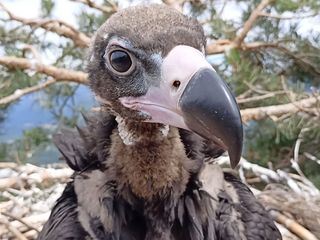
column 120, row 61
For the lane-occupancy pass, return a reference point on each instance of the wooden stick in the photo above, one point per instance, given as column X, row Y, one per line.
column 11, row 165
column 259, row 113
column 20, row 220
column 53, row 25
column 293, row 226
column 249, row 23
column 12, row 229
column 105, row 9
column 60, row 74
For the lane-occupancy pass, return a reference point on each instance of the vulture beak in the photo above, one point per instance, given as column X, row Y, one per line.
column 192, row 96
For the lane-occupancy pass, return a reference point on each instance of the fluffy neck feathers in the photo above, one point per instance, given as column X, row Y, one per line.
column 133, row 132
column 152, row 164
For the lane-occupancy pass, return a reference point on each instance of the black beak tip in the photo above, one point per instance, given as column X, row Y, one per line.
column 235, row 152
column 210, row 110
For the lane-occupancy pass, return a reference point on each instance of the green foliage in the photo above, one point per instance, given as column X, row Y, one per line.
column 287, row 5
column 47, row 7
column 266, row 142
column 293, row 5
column 35, row 136
column 90, row 22
column 20, row 150
column 311, row 169
column 3, row 151
column 14, row 80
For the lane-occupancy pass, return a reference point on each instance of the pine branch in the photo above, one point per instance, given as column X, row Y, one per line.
column 53, row 25
column 21, row 92
column 263, row 14
column 249, row 23
column 260, row 97
column 311, row 157
column 223, row 45
column 28, row 225
column 35, row 53
column 260, row 113
column 105, row 9
column 59, row 74
column 299, row 60
column 12, row 229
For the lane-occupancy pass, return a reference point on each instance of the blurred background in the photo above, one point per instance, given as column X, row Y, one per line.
column 271, row 60
column 268, row 52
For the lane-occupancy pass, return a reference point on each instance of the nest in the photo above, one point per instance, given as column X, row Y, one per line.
column 28, row 193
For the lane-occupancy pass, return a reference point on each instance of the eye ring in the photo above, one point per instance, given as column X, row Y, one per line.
column 120, row 61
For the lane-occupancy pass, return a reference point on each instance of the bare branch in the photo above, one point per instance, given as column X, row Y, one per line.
column 224, row 45
column 260, row 97
column 36, row 175
column 293, row 226
column 311, row 157
column 57, row 26
column 20, row 220
column 299, row 60
column 34, row 52
column 263, row 14
column 260, row 113
column 21, row 92
column 12, row 229
column 59, row 74
column 105, row 9
column 249, row 23
column 295, row 162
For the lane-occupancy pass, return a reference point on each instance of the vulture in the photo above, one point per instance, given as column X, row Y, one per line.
column 143, row 167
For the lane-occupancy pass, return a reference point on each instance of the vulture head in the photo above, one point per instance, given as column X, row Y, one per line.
column 147, row 64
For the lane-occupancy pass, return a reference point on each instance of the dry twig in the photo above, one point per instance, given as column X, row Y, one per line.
column 259, row 113
column 20, row 220
column 260, row 97
column 251, row 20
column 59, row 74
column 53, row 25
column 35, row 53
column 293, row 226
column 103, row 8
column 263, row 14
column 21, row 92
column 12, row 229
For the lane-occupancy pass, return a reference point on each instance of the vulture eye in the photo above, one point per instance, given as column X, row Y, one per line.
column 120, row 61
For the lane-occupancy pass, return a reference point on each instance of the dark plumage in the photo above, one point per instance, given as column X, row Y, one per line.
column 136, row 178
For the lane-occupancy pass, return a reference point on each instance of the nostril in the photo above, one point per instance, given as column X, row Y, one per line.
column 176, row 84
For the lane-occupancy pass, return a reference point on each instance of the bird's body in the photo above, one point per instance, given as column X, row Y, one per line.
column 136, row 177
column 212, row 205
